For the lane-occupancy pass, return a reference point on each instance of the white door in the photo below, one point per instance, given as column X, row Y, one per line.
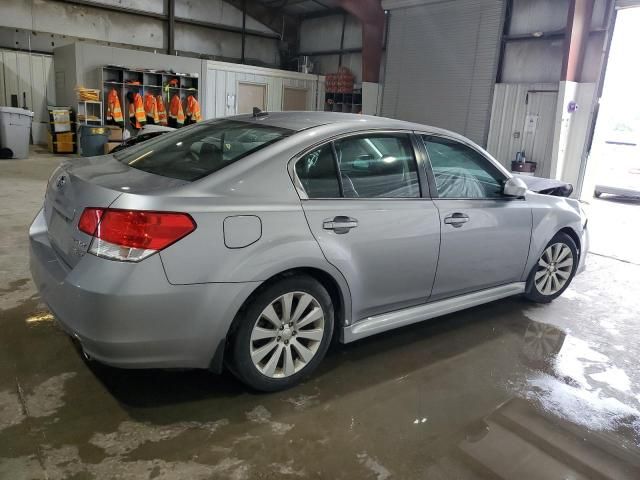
column 294, row 99
column 251, row 95
column 537, row 133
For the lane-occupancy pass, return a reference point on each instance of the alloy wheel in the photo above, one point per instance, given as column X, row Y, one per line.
column 287, row 334
column 554, row 269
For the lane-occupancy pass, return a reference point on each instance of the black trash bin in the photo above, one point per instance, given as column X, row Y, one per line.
column 92, row 140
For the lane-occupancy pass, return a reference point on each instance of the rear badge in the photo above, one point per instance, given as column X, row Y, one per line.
column 61, row 182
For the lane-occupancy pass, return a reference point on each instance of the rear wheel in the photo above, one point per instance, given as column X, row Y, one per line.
column 282, row 334
column 554, row 270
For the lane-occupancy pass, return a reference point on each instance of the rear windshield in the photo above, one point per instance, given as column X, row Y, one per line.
column 199, row 150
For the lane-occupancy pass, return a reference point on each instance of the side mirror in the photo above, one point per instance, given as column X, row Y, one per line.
column 514, row 187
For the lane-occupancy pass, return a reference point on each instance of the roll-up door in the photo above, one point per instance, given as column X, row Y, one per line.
column 441, row 62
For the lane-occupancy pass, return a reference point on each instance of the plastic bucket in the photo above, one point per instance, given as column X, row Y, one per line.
column 15, row 130
column 92, row 140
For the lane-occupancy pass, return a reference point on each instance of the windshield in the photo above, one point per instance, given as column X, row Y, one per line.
column 199, row 150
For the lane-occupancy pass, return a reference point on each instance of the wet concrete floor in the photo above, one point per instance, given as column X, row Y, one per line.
column 507, row 390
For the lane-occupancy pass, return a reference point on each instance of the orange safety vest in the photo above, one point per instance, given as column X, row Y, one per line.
column 136, row 111
column 193, row 109
column 175, row 110
column 151, row 108
column 162, row 112
column 114, row 112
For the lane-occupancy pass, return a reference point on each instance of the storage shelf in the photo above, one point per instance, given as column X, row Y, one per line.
column 150, row 82
column 343, row 102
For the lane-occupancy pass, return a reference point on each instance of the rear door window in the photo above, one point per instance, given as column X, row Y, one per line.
column 378, row 166
column 317, row 173
column 202, row 149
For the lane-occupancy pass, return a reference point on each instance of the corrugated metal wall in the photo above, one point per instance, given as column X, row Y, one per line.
column 507, row 133
column 323, row 34
column 441, row 64
column 32, row 75
column 222, row 82
column 538, row 60
column 29, row 24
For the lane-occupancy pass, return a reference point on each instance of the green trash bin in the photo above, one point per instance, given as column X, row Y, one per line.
column 92, row 140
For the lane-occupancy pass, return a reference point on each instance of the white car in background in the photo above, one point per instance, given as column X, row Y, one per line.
column 621, row 173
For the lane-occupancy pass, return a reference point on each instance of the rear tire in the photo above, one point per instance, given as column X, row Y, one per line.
column 554, row 270
column 282, row 334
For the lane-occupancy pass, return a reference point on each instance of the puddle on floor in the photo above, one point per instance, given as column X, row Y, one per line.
column 483, row 393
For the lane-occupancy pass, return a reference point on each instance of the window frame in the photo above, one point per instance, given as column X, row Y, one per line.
column 493, row 165
column 418, row 156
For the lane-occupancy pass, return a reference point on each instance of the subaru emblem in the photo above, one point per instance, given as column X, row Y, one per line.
column 60, row 183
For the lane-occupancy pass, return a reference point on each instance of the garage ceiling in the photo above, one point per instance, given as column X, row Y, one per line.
column 302, row 7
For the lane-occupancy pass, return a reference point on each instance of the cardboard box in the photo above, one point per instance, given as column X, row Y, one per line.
column 68, row 137
column 60, row 119
column 110, row 146
column 115, row 133
column 67, row 145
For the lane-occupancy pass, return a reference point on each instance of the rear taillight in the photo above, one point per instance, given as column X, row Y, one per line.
column 132, row 235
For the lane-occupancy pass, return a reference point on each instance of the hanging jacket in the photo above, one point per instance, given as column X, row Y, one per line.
column 176, row 113
column 151, row 108
column 136, row 110
column 114, row 112
column 193, row 109
column 162, row 111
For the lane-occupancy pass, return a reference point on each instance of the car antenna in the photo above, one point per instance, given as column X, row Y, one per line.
column 257, row 113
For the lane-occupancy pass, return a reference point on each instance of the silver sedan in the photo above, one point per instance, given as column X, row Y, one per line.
column 252, row 241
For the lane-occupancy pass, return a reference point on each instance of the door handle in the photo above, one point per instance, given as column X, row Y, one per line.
column 456, row 219
column 340, row 224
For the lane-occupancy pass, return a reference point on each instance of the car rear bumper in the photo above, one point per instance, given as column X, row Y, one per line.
column 127, row 314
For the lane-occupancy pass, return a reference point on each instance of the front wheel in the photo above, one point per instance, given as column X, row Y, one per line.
column 554, row 270
column 283, row 334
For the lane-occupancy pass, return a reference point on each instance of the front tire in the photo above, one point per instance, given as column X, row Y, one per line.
column 282, row 334
column 554, row 270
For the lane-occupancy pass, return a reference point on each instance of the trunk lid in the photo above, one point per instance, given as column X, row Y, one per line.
column 89, row 182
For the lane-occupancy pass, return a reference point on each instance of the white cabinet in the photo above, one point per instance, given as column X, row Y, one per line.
column 233, row 89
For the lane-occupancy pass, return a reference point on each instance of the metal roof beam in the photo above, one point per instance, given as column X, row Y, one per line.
column 273, row 16
column 372, row 17
column 575, row 42
column 160, row 16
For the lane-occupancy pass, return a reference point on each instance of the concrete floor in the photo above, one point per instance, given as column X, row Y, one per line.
column 506, row 390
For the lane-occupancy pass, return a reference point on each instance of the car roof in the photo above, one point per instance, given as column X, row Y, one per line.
column 299, row 121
